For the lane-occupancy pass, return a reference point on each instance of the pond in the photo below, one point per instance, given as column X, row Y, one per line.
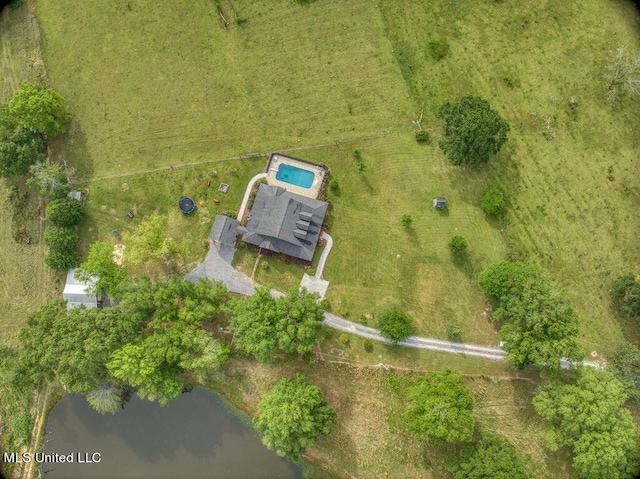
column 196, row 436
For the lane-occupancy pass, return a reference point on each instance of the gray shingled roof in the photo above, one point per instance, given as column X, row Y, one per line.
column 284, row 222
column 224, row 230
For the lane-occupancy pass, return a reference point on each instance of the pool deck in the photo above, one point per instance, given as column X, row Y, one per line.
column 278, row 158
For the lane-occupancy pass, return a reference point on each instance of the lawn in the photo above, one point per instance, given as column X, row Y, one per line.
column 166, row 83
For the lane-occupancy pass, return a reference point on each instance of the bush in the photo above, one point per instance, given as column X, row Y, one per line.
column 493, row 202
column 395, row 325
column 357, row 153
column 361, row 167
column 344, row 338
column 65, row 212
column 453, row 332
column 368, row 345
column 21, row 428
column 406, row 220
column 62, row 259
column 59, row 238
column 333, row 184
column 438, row 49
column 422, row 136
column 625, row 292
column 458, row 244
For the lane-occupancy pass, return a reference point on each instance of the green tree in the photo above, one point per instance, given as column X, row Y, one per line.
column 406, row 220
column 625, row 292
column 473, row 131
column 106, row 398
column 62, row 259
column 149, row 241
column 19, row 151
column 298, row 319
column 587, row 417
column 493, row 457
column 539, row 324
column 7, row 124
column 100, row 265
column 440, row 408
column 493, row 202
column 65, row 212
column 292, row 415
column 624, row 364
column 458, row 244
column 59, row 238
column 42, row 109
column 50, row 179
column 395, row 325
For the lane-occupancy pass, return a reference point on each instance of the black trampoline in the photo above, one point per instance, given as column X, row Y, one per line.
column 187, row 205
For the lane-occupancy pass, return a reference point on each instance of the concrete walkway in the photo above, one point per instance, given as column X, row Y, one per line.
column 247, row 193
column 315, row 283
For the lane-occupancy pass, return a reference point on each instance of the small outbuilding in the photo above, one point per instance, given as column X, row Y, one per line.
column 75, row 292
column 439, row 203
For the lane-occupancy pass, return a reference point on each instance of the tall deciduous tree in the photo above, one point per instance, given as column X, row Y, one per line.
column 473, row 131
column 440, row 408
column 59, row 238
column 493, row 457
column 625, row 293
column 19, row 151
column 65, row 212
column 623, row 74
column 624, row 364
column 100, row 266
column 395, row 325
column 42, row 109
column 292, row 415
column 7, row 124
column 263, row 326
column 50, row 178
column 106, row 398
column 587, row 417
column 539, row 324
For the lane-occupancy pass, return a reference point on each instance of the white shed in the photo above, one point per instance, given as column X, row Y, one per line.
column 75, row 294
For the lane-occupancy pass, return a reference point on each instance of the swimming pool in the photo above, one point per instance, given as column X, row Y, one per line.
column 295, row 176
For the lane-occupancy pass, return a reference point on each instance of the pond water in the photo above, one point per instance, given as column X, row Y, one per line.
column 195, row 436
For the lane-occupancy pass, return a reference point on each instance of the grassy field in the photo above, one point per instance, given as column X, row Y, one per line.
column 369, row 441
column 573, row 197
column 166, row 83
column 25, row 282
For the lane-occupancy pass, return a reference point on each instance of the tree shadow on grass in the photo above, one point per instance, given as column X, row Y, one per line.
column 367, row 184
column 462, row 261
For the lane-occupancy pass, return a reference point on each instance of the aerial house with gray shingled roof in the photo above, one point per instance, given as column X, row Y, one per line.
column 284, row 222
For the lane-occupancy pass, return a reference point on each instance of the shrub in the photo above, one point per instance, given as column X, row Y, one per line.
column 395, row 325
column 328, row 333
column 344, row 312
column 357, row 153
column 625, row 292
column 458, row 244
column 59, row 238
column 62, row 259
column 422, row 136
column 264, row 265
column 493, row 202
column 21, row 428
column 65, row 212
column 333, row 184
column 368, row 345
column 344, row 338
column 406, row 220
column 242, row 244
column 453, row 332
column 362, row 167
column 231, row 214
column 311, row 271
column 438, row 48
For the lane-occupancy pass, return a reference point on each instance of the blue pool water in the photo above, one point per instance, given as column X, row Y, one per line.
column 295, row 176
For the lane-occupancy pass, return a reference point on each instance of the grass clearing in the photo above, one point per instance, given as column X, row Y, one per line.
column 165, row 83
column 566, row 213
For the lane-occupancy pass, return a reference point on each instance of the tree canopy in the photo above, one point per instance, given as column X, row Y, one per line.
column 625, row 293
column 100, row 265
column 395, row 325
column 473, row 131
column 264, row 326
column 539, row 324
column 50, row 179
column 587, row 417
column 65, row 212
column 292, row 415
column 19, row 151
column 59, row 238
column 493, row 202
column 42, row 109
column 439, row 408
column 624, row 364
column 493, row 457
